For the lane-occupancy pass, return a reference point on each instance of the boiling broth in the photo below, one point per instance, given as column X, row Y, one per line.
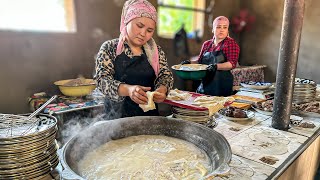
column 145, row 157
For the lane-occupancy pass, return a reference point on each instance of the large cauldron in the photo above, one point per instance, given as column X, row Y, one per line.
column 213, row 143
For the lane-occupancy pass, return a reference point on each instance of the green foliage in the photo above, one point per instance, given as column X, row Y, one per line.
column 170, row 20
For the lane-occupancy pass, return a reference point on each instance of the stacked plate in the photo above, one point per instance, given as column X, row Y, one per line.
column 28, row 149
column 304, row 91
column 191, row 115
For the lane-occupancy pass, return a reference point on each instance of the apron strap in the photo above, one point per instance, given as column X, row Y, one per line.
column 220, row 49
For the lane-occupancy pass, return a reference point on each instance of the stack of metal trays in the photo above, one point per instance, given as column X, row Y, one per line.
column 28, row 149
column 201, row 117
column 304, row 91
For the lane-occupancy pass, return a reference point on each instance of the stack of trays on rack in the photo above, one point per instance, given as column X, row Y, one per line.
column 28, row 149
column 304, row 91
column 191, row 115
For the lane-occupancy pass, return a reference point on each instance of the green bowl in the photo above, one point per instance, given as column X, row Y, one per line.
column 191, row 72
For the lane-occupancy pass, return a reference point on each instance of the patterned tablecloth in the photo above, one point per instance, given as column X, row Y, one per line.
column 248, row 73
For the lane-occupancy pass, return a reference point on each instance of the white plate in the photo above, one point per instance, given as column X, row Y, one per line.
column 250, row 115
column 268, row 113
column 260, row 87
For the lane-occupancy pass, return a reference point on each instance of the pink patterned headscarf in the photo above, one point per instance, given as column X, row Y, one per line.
column 134, row 9
column 219, row 18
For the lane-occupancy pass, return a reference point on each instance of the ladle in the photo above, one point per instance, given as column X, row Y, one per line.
column 38, row 111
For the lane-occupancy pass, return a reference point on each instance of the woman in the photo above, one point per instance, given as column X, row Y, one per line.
column 221, row 53
column 132, row 64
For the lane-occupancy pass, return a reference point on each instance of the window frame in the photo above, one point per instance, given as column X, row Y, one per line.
column 69, row 20
column 199, row 19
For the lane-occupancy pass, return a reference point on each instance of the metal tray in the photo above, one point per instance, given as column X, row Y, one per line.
column 187, row 104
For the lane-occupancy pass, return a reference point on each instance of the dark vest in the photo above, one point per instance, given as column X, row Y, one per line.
column 133, row 71
column 221, row 82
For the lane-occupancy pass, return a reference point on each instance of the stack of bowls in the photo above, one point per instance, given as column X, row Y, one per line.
column 201, row 117
column 28, row 149
column 304, row 91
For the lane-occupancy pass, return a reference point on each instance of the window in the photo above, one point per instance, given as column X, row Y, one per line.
column 37, row 15
column 173, row 14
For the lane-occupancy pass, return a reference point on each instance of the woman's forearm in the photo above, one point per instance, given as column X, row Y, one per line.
column 123, row 90
column 194, row 60
column 162, row 89
column 224, row 66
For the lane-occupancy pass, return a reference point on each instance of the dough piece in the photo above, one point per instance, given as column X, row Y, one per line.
column 177, row 95
column 150, row 105
column 213, row 108
column 216, row 99
column 213, row 103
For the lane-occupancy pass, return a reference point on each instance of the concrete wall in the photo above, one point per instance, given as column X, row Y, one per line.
column 31, row 62
column 261, row 44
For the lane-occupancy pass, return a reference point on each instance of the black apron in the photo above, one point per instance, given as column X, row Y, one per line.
column 221, row 82
column 134, row 71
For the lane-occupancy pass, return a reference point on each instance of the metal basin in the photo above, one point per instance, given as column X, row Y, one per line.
column 213, row 143
column 76, row 90
column 188, row 74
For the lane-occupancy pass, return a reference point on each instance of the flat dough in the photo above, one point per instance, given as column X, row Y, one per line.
column 177, row 95
column 213, row 103
column 150, row 105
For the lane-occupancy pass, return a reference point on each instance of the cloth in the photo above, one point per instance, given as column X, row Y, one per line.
column 231, row 50
column 181, row 43
column 37, row 100
column 253, row 73
column 105, row 70
column 219, row 18
column 217, row 83
column 134, row 9
column 135, row 70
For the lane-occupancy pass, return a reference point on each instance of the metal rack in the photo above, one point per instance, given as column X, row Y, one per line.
column 31, row 154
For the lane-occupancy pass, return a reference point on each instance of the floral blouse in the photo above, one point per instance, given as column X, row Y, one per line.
column 104, row 70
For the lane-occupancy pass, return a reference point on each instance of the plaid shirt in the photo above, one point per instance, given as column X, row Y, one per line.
column 230, row 49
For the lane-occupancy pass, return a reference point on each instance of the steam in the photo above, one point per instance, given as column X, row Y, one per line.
column 75, row 125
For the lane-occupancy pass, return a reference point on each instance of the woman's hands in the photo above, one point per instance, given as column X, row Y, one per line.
column 160, row 94
column 138, row 93
column 135, row 92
